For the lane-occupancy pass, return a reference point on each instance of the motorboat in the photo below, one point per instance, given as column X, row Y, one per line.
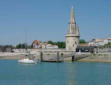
column 27, row 61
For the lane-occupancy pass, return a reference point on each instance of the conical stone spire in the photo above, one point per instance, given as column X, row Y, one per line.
column 73, row 28
column 72, row 18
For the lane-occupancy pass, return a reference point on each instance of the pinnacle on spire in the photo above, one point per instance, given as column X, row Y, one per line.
column 72, row 17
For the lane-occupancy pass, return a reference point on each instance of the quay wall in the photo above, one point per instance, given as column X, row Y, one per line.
column 98, row 57
column 67, row 55
column 102, row 50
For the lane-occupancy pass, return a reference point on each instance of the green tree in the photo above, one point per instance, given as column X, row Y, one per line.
column 82, row 41
column 51, row 42
column 21, row 45
column 18, row 46
column 107, row 45
column 59, row 44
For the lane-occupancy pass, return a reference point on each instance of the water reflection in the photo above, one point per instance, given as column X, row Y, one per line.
column 71, row 74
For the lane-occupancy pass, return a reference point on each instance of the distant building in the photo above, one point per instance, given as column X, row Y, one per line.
column 83, row 44
column 49, row 46
column 85, row 48
column 96, row 42
column 107, row 40
column 6, row 48
column 99, row 42
column 43, row 45
column 72, row 36
column 36, row 44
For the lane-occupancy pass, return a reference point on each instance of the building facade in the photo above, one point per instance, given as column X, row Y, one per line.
column 72, row 36
column 6, row 48
column 36, row 44
column 99, row 42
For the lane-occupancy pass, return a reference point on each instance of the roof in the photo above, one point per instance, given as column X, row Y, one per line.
column 36, row 42
column 97, row 40
column 84, row 44
column 109, row 38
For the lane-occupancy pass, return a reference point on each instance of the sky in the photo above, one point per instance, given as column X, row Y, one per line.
column 48, row 19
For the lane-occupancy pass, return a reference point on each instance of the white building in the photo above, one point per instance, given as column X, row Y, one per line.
column 99, row 42
column 107, row 40
column 49, row 46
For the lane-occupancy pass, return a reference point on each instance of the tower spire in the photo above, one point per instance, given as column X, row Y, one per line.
column 72, row 17
column 72, row 23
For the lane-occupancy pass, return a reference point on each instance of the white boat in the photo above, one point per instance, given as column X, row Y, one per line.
column 27, row 61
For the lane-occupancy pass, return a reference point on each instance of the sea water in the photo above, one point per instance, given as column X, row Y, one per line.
column 66, row 73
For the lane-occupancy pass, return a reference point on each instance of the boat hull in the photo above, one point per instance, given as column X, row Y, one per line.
column 27, row 61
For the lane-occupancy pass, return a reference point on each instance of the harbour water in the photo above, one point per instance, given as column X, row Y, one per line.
column 66, row 73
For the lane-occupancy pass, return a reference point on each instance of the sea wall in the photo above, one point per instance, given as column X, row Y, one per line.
column 66, row 55
column 98, row 57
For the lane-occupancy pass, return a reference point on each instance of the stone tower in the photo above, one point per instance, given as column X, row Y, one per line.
column 72, row 36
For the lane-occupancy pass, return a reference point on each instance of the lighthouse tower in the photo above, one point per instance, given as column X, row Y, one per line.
column 72, row 36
